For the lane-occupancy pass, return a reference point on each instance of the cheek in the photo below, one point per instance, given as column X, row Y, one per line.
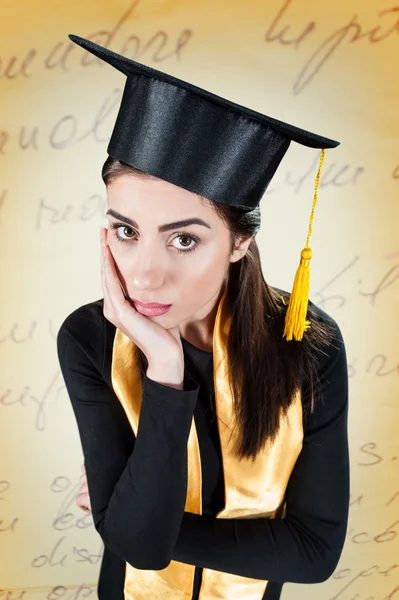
column 121, row 260
column 201, row 278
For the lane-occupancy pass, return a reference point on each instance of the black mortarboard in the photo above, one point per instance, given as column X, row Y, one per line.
column 206, row 144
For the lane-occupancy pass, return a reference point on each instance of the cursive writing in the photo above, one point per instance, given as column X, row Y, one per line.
column 89, row 208
column 379, row 575
column 280, row 31
column 335, row 175
column 59, row 557
column 66, row 517
column 66, row 131
column 59, row 55
column 8, row 398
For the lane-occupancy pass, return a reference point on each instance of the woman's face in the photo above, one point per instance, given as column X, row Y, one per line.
column 182, row 265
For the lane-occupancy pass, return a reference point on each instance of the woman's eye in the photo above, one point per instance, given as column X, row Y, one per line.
column 185, row 238
column 116, row 227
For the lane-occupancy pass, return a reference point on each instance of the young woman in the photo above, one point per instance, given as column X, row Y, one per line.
column 215, row 450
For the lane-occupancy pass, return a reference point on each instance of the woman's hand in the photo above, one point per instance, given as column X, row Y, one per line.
column 161, row 346
column 83, row 498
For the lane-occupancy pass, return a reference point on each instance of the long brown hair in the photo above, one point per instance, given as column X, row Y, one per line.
column 268, row 370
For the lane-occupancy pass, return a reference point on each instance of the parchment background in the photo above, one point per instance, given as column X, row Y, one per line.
column 328, row 67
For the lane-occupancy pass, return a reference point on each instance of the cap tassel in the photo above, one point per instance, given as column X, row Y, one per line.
column 295, row 318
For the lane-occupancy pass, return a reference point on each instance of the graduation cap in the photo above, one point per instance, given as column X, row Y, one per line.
column 208, row 145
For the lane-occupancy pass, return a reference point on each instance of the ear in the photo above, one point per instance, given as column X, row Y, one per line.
column 240, row 249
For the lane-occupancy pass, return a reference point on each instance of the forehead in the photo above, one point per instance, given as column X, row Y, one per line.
column 154, row 195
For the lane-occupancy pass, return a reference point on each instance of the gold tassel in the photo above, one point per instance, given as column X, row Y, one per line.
column 295, row 318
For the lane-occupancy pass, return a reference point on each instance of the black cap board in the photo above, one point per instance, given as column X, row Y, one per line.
column 195, row 139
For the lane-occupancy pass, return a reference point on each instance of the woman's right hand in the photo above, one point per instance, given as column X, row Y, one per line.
column 162, row 347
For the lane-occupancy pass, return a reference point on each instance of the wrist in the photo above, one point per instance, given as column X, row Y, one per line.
column 170, row 375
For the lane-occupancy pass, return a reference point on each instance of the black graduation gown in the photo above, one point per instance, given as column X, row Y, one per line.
column 137, row 498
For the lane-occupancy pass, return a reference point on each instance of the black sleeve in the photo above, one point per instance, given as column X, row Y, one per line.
column 305, row 545
column 137, row 487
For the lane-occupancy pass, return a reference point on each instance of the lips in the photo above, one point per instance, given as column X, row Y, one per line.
column 150, row 304
column 155, row 311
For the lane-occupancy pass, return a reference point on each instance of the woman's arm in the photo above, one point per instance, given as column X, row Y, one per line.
column 137, row 486
column 305, row 545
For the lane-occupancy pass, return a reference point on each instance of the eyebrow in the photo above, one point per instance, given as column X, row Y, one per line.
column 161, row 228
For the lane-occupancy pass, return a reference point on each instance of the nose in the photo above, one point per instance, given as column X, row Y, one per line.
column 146, row 270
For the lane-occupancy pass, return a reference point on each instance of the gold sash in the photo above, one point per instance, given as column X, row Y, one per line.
column 251, row 489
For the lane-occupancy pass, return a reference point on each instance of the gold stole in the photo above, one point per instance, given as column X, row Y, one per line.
column 251, row 489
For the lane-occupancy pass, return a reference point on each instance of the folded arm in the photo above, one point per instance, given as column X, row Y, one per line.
column 305, row 545
column 137, row 487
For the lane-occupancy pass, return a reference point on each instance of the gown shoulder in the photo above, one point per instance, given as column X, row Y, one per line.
column 92, row 332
